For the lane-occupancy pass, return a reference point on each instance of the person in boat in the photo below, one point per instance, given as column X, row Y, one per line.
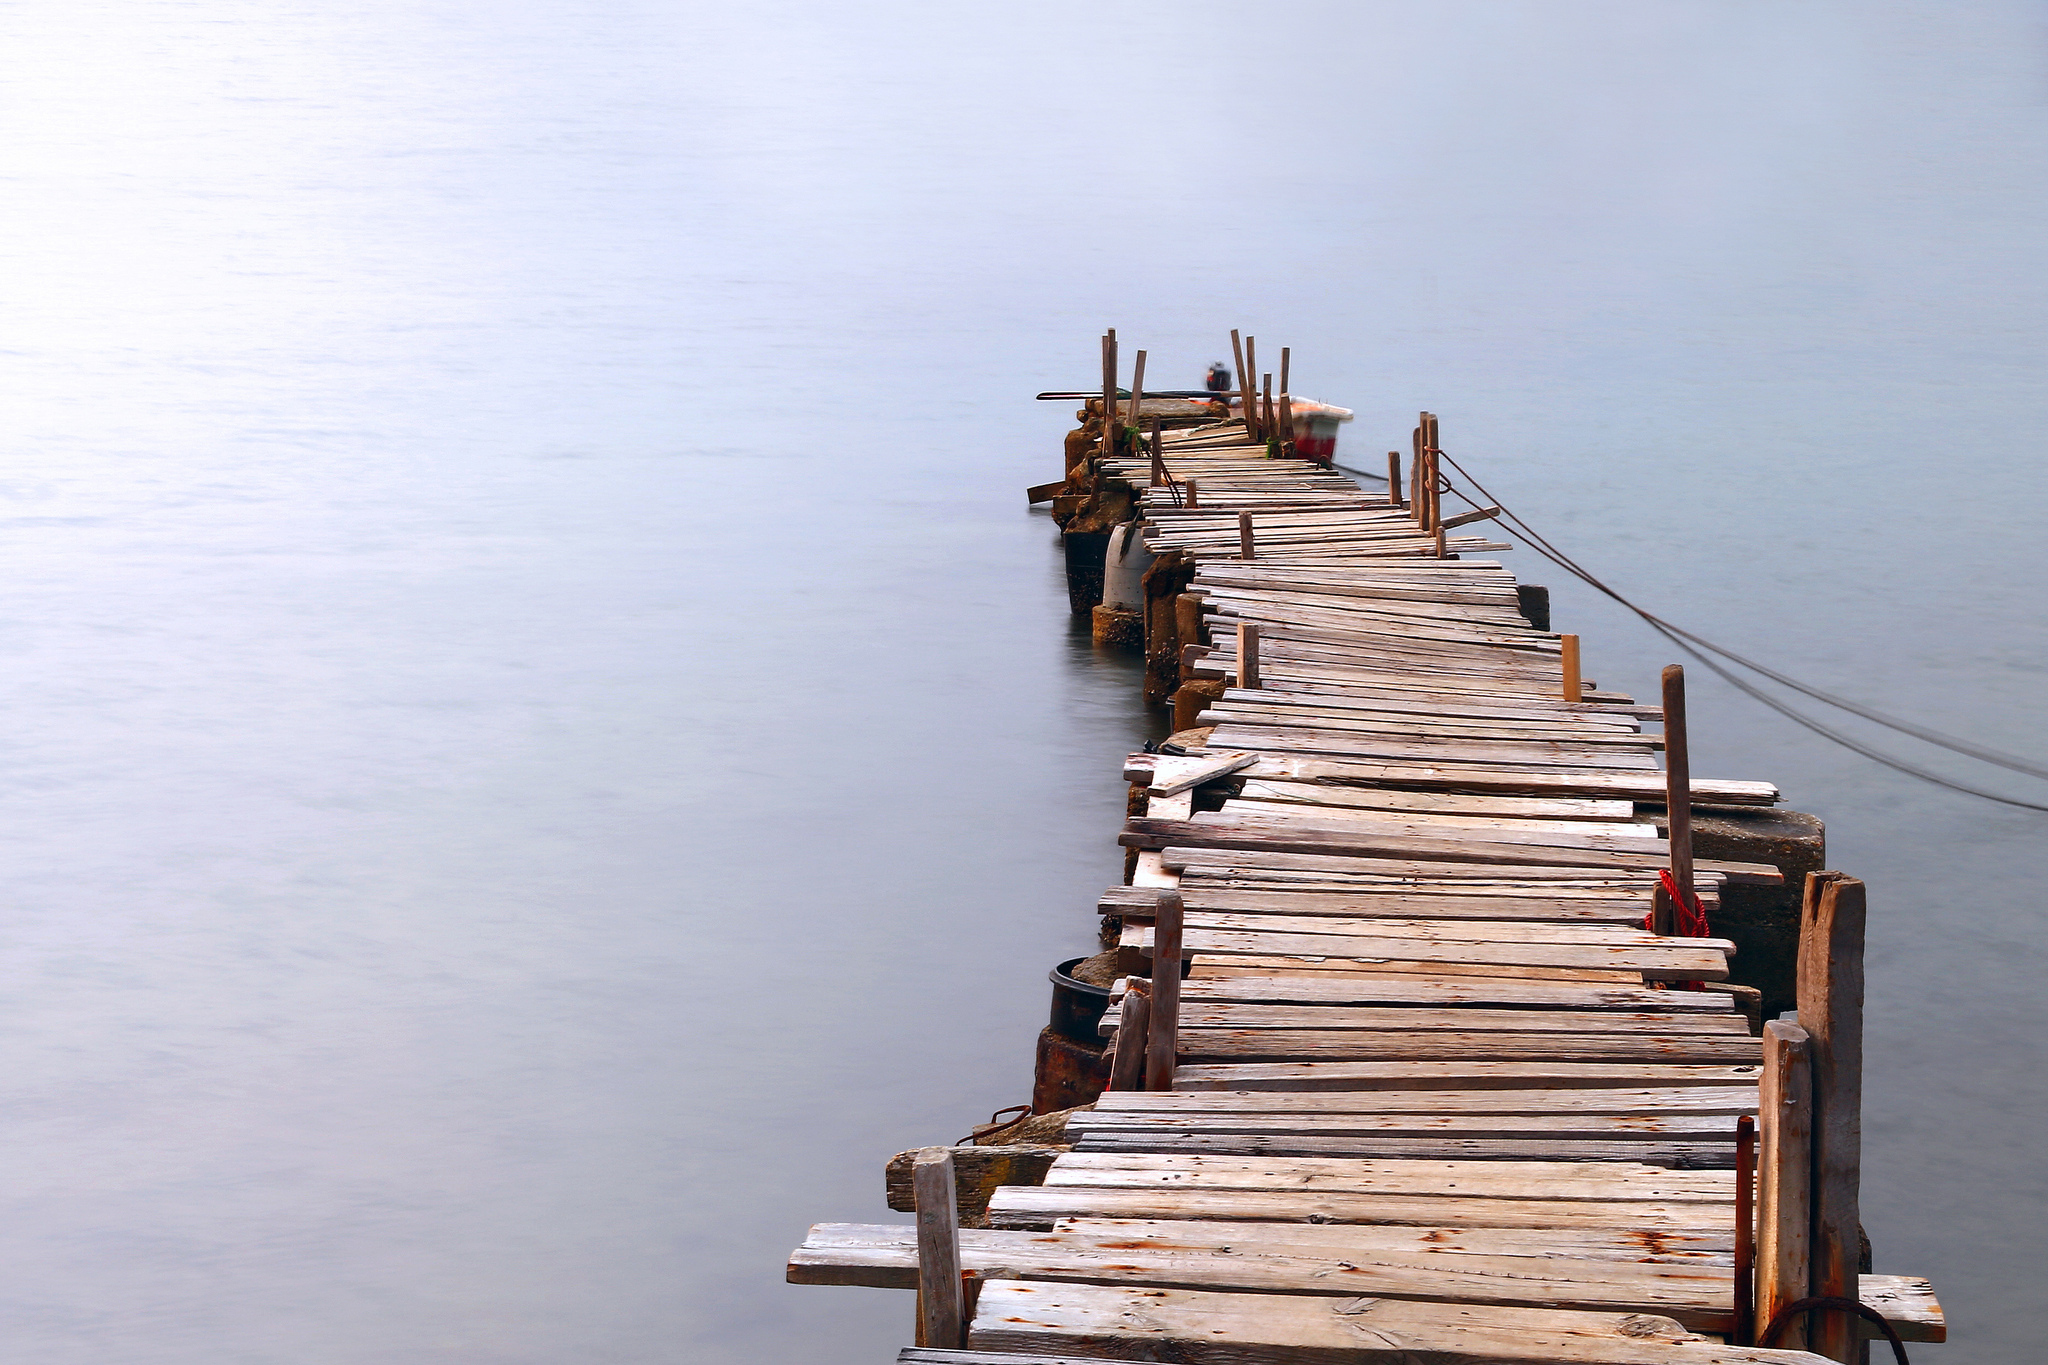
column 1219, row 378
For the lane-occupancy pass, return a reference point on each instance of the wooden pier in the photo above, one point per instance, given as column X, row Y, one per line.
column 1413, row 1058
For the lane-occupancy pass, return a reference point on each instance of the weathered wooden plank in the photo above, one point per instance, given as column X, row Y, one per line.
column 1209, row 1328
column 1617, row 784
column 1679, row 961
column 1699, row 1295
column 1675, row 1152
column 1448, row 1075
column 1220, row 1014
column 1039, row 1206
column 1542, row 1180
column 1361, row 990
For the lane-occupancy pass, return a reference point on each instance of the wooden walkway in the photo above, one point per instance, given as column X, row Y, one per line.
column 1423, row 1094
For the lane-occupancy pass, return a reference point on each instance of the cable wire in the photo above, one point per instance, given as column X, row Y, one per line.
column 1699, row 648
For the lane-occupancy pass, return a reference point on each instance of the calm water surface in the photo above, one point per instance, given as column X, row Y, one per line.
column 542, row 742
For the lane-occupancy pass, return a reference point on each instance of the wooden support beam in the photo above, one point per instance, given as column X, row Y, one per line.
column 941, row 1297
column 1247, row 654
column 1831, row 1012
column 1784, row 1212
column 1467, row 518
column 1244, row 387
column 1164, row 1029
column 1677, row 777
column 1745, row 1230
column 1248, row 384
column 1133, row 1038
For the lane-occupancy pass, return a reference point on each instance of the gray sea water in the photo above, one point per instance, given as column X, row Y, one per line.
column 541, row 742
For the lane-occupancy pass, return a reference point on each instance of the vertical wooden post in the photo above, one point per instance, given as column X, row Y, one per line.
column 1133, row 1039
column 1109, row 392
column 1573, row 690
column 1436, row 474
column 1187, row 616
column 1415, row 498
column 1443, row 549
column 1394, row 478
column 1247, row 654
column 1244, row 394
column 1165, row 1027
column 1158, row 456
column 941, row 1298
column 1250, row 385
column 1432, row 510
column 1137, row 388
column 1678, row 780
column 1745, row 1230
column 1784, row 1212
column 1831, row 1012
column 1268, row 423
column 1245, row 547
column 1190, row 485
column 1286, row 409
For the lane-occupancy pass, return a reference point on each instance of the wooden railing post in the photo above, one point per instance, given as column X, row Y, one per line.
column 1165, row 1025
column 1784, row 1208
column 1137, row 387
column 1133, row 1037
column 1245, row 547
column 1573, row 689
column 1247, row 654
column 1248, row 381
column 1677, row 781
column 1109, row 392
column 1394, row 479
column 1831, row 1012
column 941, row 1297
column 1244, row 388
column 1745, row 1231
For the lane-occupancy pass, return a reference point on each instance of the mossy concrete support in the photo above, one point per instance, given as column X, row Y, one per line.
column 1763, row 921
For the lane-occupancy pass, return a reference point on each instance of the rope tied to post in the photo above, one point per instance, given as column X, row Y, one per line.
column 1692, row 915
column 1815, row 1305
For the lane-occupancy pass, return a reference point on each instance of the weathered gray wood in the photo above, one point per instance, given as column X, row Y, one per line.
column 1162, row 1030
column 1209, row 1328
column 1724, row 1100
column 1133, row 1040
column 1784, row 1170
column 1039, row 1206
column 1448, row 1075
column 941, row 1296
column 1831, row 1012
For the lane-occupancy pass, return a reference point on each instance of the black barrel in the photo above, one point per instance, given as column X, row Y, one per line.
column 1076, row 1006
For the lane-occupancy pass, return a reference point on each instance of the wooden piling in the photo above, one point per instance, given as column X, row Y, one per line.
column 1286, row 410
column 1831, row 1012
column 1677, row 781
column 941, row 1297
column 1244, row 387
column 1573, row 690
column 1133, row 1038
column 1109, row 392
column 1269, row 423
column 1187, row 611
column 1164, row 1030
column 1415, row 499
column 1247, row 654
column 1394, row 478
column 1745, row 1229
column 1137, row 387
column 1249, row 383
column 1784, row 1210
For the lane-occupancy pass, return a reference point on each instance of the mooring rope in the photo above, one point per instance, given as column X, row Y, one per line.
column 1699, row 649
